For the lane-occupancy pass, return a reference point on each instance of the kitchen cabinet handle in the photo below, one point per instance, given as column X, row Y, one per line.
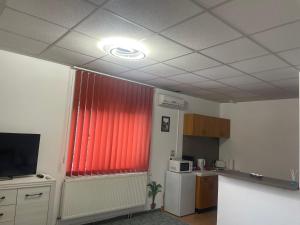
column 33, row 195
column 2, row 198
column 1, row 214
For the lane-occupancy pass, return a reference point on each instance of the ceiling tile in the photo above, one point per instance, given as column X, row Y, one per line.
column 257, row 15
column 240, row 94
column 237, row 81
column 201, row 32
column 192, row 62
column 291, row 84
column 281, row 38
column 187, row 78
column 65, row 56
column 225, row 89
column 185, row 88
column 292, row 56
column 134, row 64
column 162, row 82
column 202, row 92
column 265, row 90
column 271, row 92
column 81, row 43
column 106, row 67
column 210, row 3
column 259, row 85
column 260, row 64
column 103, row 24
column 19, row 44
column 97, row 2
column 64, row 12
column 29, row 26
column 2, row 5
column 277, row 74
column 162, row 70
column 219, row 72
column 208, row 84
column 235, row 51
column 154, row 14
column 137, row 75
column 216, row 97
column 162, row 49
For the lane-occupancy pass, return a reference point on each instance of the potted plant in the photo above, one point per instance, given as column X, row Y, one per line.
column 154, row 189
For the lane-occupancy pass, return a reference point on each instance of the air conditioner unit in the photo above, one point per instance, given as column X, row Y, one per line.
column 170, row 101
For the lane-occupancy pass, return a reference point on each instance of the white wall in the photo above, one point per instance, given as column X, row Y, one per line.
column 264, row 136
column 34, row 97
column 162, row 142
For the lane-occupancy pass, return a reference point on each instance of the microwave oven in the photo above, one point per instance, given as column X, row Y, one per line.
column 180, row 166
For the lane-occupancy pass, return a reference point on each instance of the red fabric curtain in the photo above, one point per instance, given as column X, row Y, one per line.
column 110, row 126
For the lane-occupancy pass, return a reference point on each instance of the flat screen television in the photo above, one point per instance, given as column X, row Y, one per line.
column 18, row 154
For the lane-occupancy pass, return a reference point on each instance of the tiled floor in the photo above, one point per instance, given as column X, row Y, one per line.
column 205, row 218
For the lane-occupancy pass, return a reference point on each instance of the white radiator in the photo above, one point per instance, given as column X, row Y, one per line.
column 86, row 196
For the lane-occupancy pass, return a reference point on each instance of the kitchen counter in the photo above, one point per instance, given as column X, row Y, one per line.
column 264, row 180
column 204, row 173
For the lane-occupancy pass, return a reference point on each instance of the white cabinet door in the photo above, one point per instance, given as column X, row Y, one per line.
column 172, row 193
column 32, row 206
column 7, row 213
column 187, row 199
column 8, row 197
column 8, row 223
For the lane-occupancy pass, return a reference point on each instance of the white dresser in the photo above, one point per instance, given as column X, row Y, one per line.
column 27, row 201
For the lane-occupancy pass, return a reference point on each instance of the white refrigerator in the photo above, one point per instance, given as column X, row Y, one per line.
column 180, row 193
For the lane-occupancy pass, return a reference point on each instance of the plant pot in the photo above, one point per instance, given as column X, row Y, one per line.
column 153, row 205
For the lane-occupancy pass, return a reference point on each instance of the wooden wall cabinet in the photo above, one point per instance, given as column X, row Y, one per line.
column 206, row 195
column 206, row 126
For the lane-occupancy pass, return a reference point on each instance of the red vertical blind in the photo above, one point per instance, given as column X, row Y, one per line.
column 110, row 126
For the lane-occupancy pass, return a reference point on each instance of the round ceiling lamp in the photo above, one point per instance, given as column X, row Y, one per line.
column 123, row 48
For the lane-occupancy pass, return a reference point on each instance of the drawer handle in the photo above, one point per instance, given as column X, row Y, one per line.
column 2, row 198
column 33, row 195
column 1, row 214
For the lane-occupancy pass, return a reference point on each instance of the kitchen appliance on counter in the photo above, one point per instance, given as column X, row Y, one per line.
column 220, row 164
column 201, row 164
column 180, row 193
column 190, row 158
column 180, row 166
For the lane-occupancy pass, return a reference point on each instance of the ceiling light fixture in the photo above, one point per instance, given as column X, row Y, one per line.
column 123, row 48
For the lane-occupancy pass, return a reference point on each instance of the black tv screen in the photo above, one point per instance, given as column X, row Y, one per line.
column 18, row 154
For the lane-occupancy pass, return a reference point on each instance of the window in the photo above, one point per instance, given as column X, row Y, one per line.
column 110, row 126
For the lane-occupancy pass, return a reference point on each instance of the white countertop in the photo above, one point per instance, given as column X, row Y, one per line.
column 204, row 173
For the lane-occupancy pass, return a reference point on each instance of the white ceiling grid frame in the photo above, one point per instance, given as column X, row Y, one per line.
column 76, row 10
column 28, row 26
column 292, row 56
column 155, row 15
column 80, row 43
column 245, row 35
column 252, row 16
column 192, row 62
column 217, row 3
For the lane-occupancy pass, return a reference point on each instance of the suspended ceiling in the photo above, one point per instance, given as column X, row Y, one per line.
column 237, row 50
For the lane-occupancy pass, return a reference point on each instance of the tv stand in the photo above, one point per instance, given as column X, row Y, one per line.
column 27, row 200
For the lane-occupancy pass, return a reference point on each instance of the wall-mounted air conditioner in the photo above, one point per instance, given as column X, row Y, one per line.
column 170, row 101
